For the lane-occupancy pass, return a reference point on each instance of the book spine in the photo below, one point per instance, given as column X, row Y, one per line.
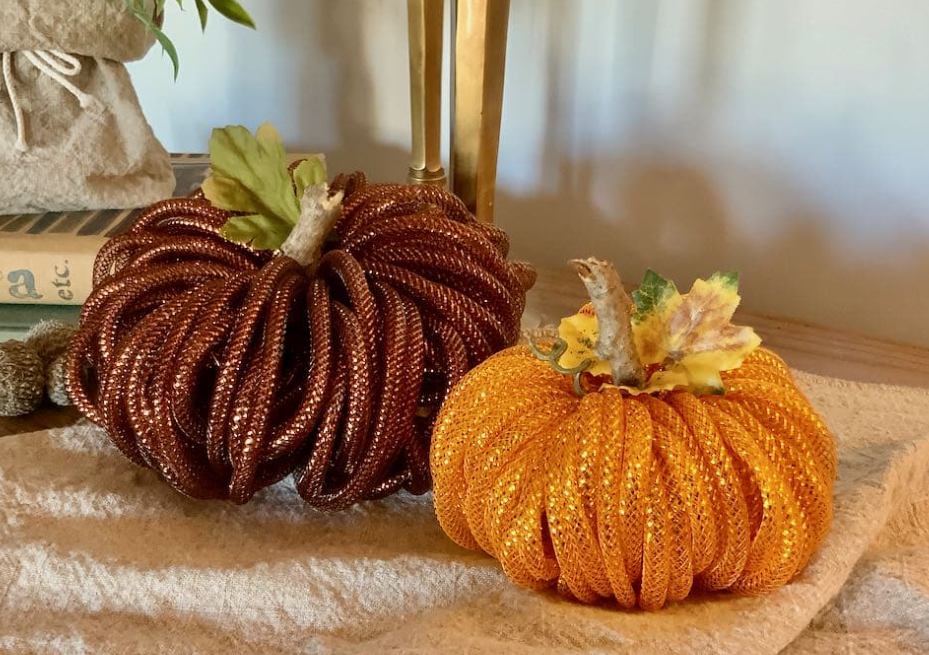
column 36, row 270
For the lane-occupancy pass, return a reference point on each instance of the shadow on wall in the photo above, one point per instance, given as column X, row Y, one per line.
column 666, row 212
column 339, row 36
column 329, row 50
column 668, row 216
column 642, row 201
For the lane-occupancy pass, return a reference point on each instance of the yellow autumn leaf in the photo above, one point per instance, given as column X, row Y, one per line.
column 580, row 333
column 685, row 340
column 691, row 335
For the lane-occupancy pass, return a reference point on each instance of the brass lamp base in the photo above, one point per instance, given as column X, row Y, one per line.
column 424, row 176
column 479, row 30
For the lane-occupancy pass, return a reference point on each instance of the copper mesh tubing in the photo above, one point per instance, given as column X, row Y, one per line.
column 225, row 369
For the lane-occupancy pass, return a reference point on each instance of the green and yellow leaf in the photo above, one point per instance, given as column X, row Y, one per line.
column 580, row 333
column 686, row 340
column 692, row 333
column 250, row 175
column 260, row 232
column 259, row 164
column 309, row 172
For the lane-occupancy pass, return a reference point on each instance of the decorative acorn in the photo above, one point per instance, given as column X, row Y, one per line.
column 32, row 367
column 652, row 449
column 278, row 325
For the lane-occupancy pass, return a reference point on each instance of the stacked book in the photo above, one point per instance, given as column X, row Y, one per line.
column 46, row 260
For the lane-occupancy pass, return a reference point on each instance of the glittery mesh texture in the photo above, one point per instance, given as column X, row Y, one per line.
column 641, row 499
column 226, row 368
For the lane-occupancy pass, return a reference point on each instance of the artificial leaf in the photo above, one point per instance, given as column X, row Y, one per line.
column 692, row 333
column 250, row 176
column 229, row 194
column 310, row 171
column 233, row 11
column 703, row 371
column 683, row 341
column 203, row 13
column 580, row 333
column 261, row 232
column 654, row 291
column 258, row 164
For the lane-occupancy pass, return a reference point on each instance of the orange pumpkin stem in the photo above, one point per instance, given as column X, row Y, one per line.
column 613, row 307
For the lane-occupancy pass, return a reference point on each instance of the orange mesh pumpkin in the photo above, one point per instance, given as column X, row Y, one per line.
column 637, row 497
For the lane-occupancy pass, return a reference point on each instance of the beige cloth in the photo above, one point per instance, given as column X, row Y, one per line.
column 72, row 133
column 101, row 28
column 99, row 556
column 102, row 156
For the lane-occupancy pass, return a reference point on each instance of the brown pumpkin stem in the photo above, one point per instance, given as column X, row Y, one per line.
column 318, row 214
column 614, row 320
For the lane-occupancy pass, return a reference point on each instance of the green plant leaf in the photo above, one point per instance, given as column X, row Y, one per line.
column 261, row 232
column 233, row 11
column 310, row 171
column 203, row 13
column 166, row 45
column 258, row 164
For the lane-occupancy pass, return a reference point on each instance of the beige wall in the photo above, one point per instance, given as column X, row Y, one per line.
column 788, row 140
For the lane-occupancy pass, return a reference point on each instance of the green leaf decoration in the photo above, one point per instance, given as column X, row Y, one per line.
column 250, row 176
column 227, row 193
column 261, row 232
column 168, row 47
column 258, row 164
column 203, row 13
column 228, row 8
column 233, row 11
column 310, row 171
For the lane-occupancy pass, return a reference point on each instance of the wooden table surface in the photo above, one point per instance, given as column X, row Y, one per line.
column 808, row 347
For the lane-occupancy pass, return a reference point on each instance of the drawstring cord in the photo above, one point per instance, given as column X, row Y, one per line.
column 57, row 65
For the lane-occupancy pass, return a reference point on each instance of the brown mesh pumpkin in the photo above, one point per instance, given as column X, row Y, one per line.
column 225, row 368
column 641, row 498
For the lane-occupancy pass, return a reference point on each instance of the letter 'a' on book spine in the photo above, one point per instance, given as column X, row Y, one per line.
column 48, row 258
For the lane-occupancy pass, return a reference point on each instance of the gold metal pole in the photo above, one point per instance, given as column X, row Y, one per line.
column 425, row 38
column 478, row 62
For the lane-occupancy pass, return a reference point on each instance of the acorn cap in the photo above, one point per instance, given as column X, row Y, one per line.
column 50, row 339
column 56, row 385
column 22, row 378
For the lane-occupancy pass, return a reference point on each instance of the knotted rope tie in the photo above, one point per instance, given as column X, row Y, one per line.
column 58, row 66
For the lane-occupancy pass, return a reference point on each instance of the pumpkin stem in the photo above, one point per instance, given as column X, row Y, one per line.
column 613, row 307
column 318, row 214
